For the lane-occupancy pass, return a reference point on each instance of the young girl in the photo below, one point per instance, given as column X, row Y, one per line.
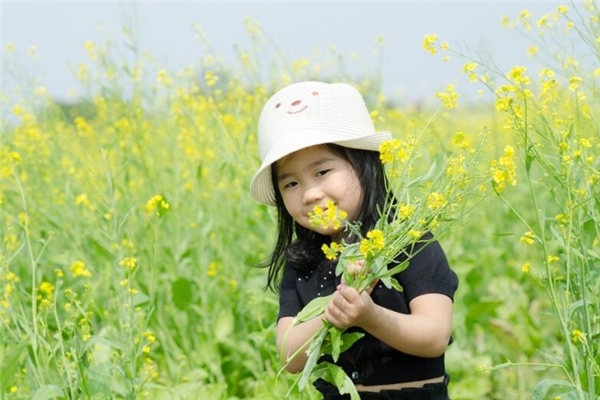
column 318, row 144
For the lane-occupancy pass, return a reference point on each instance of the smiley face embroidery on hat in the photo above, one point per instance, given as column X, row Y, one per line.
column 296, row 106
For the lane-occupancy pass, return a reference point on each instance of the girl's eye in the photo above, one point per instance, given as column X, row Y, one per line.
column 290, row 185
column 321, row 173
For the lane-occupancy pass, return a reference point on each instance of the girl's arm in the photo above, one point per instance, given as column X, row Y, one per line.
column 291, row 338
column 424, row 333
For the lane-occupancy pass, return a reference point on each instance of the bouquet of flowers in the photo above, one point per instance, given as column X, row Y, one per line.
column 431, row 201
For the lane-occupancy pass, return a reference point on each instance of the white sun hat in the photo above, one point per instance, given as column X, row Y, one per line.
column 307, row 114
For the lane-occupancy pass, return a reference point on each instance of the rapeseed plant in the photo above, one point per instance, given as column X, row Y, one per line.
column 554, row 121
column 75, row 180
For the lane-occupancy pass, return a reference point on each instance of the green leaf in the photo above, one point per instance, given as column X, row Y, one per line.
column 314, row 353
column 390, row 283
column 48, row 392
column 99, row 380
column 341, row 380
column 350, row 254
column 335, row 335
column 224, row 325
column 312, row 309
column 11, row 360
column 589, row 229
column 541, row 389
column 348, row 339
column 337, row 377
column 423, row 178
column 182, row 293
column 397, row 269
column 529, row 157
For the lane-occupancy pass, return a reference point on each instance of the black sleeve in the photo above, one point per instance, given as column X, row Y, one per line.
column 428, row 272
column 289, row 301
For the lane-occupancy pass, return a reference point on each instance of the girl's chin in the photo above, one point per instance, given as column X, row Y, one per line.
column 335, row 234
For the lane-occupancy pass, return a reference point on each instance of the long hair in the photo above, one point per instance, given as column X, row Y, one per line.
column 300, row 248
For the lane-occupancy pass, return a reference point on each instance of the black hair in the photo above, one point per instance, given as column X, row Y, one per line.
column 300, row 247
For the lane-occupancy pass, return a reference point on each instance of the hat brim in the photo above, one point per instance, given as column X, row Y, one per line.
column 261, row 187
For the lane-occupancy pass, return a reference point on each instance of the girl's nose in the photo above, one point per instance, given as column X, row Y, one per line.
column 312, row 195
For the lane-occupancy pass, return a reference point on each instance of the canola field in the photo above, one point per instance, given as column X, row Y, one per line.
column 129, row 241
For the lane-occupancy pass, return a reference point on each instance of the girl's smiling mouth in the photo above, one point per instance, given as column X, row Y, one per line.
column 296, row 112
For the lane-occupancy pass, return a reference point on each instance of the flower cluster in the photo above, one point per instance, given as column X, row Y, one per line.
column 157, row 205
column 503, row 170
column 328, row 216
column 372, row 244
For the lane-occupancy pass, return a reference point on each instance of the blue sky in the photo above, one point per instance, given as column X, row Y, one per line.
column 298, row 29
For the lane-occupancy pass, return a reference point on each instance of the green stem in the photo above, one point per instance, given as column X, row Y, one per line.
column 25, row 225
column 574, row 377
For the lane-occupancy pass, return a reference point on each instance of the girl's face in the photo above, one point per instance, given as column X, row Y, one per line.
column 312, row 176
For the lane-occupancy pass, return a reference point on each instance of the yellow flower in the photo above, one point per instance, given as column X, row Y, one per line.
column 82, row 199
column 435, row 201
column 128, row 262
column 299, row 65
column 460, row 140
column 543, row 21
column 532, row 50
column 210, row 78
column 415, row 234
column 14, row 156
column 406, row 211
column 449, row 99
column 526, row 267
column 82, row 72
column 78, row 268
column 332, row 251
column 547, row 72
column 372, row 243
column 578, row 336
column 469, row 69
column 331, row 216
column 395, row 150
column 517, row 74
column 528, row 237
column 504, row 103
column 150, row 337
column 504, row 170
column 574, row 83
column 164, row 78
column 47, row 288
column 455, row 169
column 157, row 204
column 429, row 43
column 11, row 276
column 212, row 269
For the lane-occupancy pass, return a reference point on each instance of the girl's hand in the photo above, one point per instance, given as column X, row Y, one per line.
column 356, row 268
column 348, row 307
